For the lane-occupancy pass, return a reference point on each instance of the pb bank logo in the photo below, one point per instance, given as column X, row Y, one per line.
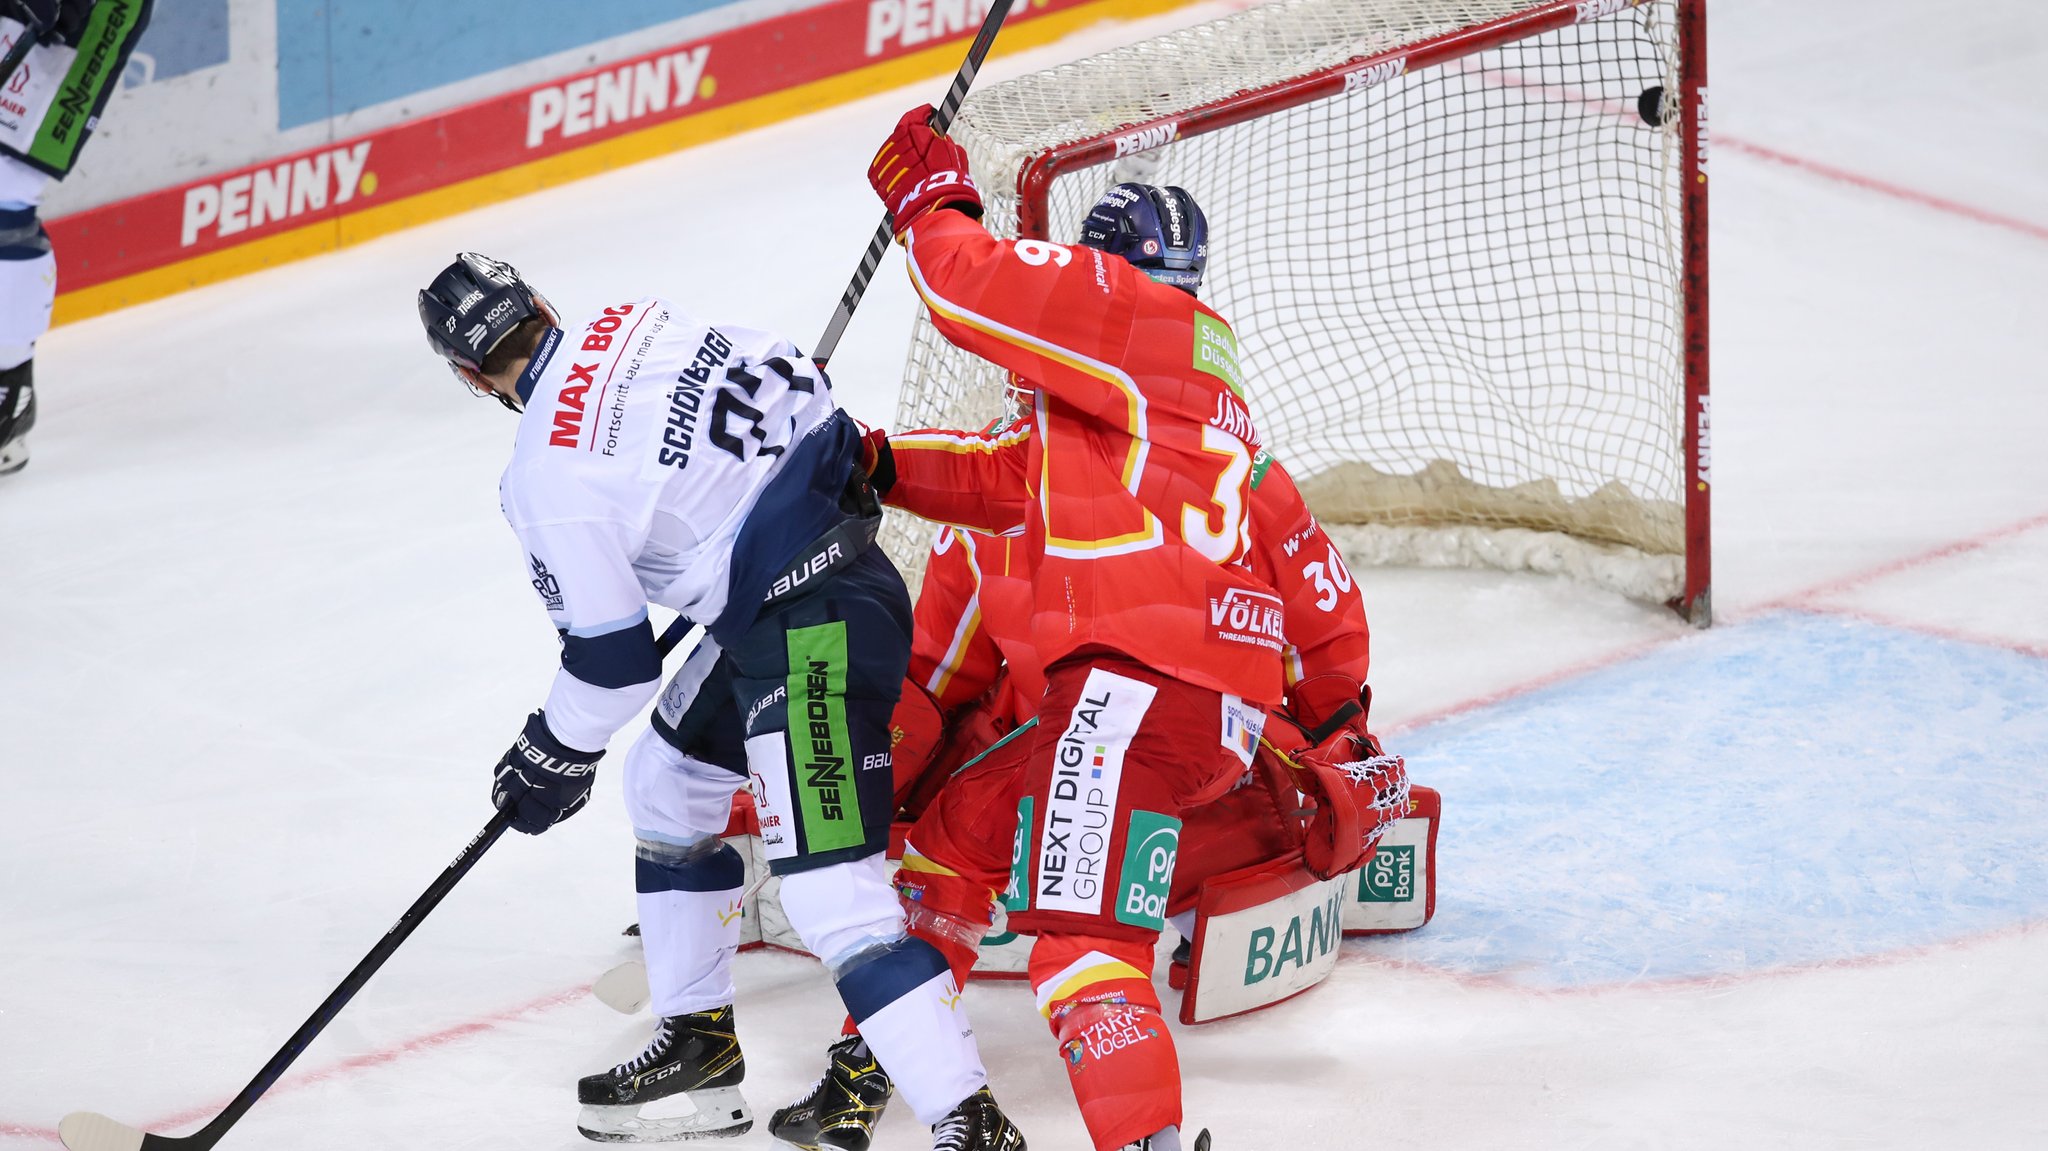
column 1151, row 847
column 1389, row 878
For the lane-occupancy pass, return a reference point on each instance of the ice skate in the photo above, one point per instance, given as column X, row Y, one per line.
column 977, row 1125
column 684, row 1086
column 17, row 416
column 841, row 1110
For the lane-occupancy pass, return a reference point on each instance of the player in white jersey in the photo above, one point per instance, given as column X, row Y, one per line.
column 664, row 460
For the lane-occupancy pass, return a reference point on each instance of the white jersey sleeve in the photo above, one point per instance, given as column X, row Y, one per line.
column 609, row 666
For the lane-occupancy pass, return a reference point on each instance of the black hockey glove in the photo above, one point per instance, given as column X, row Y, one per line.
column 544, row 780
column 60, row 21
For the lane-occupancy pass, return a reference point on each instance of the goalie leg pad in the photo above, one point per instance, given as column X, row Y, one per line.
column 1120, row 1058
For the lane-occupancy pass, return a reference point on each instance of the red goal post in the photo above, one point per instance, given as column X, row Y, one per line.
column 1463, row 247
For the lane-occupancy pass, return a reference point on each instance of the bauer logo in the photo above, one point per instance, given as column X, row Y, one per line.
column 1146, row 139
column 1374, row 75
column 1389, row 877
column 1087, row 772
column 283, row 191
column 1240, row 615
column 619, row 96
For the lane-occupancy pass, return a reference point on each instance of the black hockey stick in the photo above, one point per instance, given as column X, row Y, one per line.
column 31, row 34
column 90, row 1131
column 942, row 119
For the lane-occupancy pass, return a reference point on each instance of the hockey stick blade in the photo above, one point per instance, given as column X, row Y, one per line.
column 624, row 988
column 92, row 1131
column 942, row 119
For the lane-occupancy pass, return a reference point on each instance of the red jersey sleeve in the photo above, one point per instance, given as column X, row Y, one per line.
column 952, row 653
column 971, row 480
column 1323, row 614
column 1059, row 316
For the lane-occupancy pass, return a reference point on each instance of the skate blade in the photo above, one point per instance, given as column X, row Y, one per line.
column 713, row 1113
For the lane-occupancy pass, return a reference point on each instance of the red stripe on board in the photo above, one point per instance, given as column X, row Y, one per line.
column 1884, row 188
column 39, row 1134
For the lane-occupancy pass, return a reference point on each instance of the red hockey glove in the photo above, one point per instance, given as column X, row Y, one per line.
column 916, row 729
column 918, row 170
column 1358, row 792
column 1318, row 710
column 877, row 460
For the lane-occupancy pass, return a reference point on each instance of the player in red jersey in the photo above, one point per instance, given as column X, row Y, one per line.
column 975, row 666
column 1159, row 643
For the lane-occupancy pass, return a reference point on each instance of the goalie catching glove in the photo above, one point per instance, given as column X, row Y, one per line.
column 918, row 170
column 544, row 780
column 1358, row 790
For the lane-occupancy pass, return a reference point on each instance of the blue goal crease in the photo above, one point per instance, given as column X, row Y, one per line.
column 1796, row 790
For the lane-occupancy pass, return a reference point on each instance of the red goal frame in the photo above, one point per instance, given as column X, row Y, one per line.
column 1035, row 180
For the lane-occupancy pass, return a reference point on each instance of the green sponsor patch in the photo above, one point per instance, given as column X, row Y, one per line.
column 1389, row 878
column 820, row 754
column 1216, row 352
column 1262, row 462
column 1018, row 897
column 93, row 72
column 1150, row 847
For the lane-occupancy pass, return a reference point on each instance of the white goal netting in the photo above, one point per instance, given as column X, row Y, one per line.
column 1457, row 287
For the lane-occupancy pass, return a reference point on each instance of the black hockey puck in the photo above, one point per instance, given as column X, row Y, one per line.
column 1650, row 106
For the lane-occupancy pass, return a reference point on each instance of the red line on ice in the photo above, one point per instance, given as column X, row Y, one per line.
column 1884, row 188
column 1810, row 596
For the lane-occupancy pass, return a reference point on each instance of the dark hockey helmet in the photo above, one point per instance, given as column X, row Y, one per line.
column 473, row 304
column 1161, row 230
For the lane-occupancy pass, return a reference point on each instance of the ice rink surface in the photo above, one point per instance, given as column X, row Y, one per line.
column 1779, row 884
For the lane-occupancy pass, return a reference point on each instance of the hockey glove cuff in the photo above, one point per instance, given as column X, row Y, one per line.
column 918, row 170
column 877, row 460
column 542, row 779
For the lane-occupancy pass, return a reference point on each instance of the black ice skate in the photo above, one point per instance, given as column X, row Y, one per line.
column 17, row 415
column 977, row 1125
column 841, row 1111
column 684, row 1086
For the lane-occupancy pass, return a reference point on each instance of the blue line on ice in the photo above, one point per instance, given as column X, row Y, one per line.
column 1793, row 790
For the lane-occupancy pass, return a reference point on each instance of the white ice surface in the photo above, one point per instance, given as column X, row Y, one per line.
column 262, row 631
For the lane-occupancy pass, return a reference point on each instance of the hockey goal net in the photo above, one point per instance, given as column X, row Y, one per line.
column 1462, row 246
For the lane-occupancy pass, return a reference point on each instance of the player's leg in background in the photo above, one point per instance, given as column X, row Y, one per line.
column 817, row 680
column 28, row 287
column 956, row 860
column 1118, row 754
column 680, row 778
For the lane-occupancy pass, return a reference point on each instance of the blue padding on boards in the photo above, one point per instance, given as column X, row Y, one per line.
column 1796, row 790
column 721, row 870
column 904, row 966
